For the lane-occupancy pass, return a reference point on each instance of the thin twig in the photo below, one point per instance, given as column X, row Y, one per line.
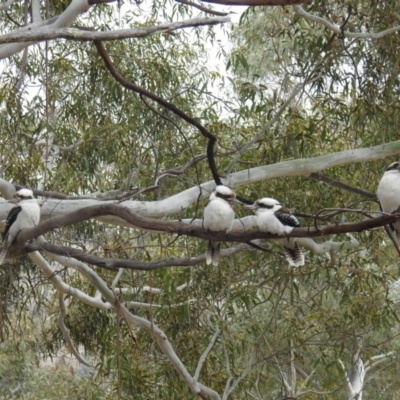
column 341, row 185
column 65, row 332
column 202, row 8
column 204, row 356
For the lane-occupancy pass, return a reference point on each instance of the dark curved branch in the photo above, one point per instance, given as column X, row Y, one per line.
column 115, row 263
column 181, row 228
column 392, row 236
column 181, row 170
column 138, row 89
column 211, row 161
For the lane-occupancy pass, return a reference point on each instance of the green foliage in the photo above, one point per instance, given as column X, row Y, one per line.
column 22, row 379
column 270, row 316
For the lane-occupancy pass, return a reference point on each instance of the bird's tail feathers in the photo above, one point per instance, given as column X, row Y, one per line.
column 212, row 255
column 209, row 254
column 294, row 256
column 3, row 255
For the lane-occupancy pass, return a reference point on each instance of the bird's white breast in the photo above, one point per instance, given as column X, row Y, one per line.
column 267, row 222
column 389, row 191
column 218, row 216
column 28, row 217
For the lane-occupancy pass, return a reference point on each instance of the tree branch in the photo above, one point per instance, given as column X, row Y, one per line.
column 171, row 227
column 341, row 185
column 206, row 353
column 65, row 19
column 181, row 228
column 62, row 287
column 305, row 166
column 157, row 334
column 296, row 90
column 177, row 203
column 65, row 332
column 131, row 86
column 114, row 264
column 201, row 8
column 77, row 34
column 152, row 329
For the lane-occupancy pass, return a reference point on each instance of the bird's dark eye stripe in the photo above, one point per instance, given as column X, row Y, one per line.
column 395, row 165
column 224, row 196
column 266, row 206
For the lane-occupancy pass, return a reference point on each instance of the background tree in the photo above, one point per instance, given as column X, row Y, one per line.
column 115, row 129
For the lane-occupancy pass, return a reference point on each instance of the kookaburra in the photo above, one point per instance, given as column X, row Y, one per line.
column 273, row 218
column 25, row 214
column 218, row 216
column 388, row 192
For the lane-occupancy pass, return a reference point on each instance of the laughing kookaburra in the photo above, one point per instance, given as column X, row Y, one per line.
column 273, row 218
column 389, row 192
column 25, row 214
column 218, row 217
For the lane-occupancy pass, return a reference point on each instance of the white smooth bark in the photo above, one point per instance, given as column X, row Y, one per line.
column 177, row 203
column 35, row 8
column 64, row 20
column 54, row 32
column 180, row 201
column 140, row 322
column 110, row 302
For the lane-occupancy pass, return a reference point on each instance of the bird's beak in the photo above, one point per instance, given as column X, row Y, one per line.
column 250, row 206
column 235, row 200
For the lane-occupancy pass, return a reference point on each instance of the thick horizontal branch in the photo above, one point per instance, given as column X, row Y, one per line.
column 40, row 34
column 180, row 201
column 305, row 166
column 181, row 228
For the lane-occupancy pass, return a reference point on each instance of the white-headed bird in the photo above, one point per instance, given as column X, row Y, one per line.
column 25, row 214
column 274, row 218
column 218, row 216
column 388, row 192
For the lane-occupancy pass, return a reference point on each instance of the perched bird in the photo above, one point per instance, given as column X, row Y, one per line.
column 273, row 218
column 218, row 216
column 388, row 193
column 25, row 214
